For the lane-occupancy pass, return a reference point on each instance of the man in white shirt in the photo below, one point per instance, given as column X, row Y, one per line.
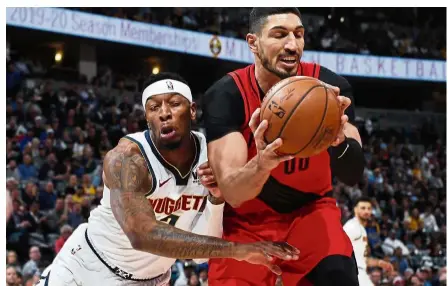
column 391, row 243
column 355, row 229
column 429, row 220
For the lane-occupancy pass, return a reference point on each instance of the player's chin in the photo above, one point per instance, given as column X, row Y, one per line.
column 171, row 143
column 287, row 71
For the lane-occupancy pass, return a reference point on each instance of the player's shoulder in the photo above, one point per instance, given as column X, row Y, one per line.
column 328, row 76
column 200, row 137
column 351, row 223
column 225, row 85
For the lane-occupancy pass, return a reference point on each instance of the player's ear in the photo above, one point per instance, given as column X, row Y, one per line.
column 193, row 111
column 252, row 40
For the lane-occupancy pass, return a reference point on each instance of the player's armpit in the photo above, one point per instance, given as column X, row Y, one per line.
column 238, row 180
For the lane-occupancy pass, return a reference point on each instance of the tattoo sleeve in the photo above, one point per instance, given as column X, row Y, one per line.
column 128, row 179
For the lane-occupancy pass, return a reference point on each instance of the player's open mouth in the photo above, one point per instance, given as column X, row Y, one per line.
column 167, row 132
column 289, row 61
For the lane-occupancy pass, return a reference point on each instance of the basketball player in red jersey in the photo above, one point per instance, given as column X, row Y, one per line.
column 271, row 197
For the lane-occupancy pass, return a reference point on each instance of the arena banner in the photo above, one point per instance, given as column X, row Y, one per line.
column 75, row 23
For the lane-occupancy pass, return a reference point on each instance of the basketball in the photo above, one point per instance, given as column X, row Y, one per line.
column 304, row 112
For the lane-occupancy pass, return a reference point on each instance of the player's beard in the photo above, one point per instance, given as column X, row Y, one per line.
column 271, row 67
column 364, row 220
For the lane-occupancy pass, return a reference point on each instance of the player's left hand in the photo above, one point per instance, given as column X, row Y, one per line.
column 344, row 102
column 208, row 180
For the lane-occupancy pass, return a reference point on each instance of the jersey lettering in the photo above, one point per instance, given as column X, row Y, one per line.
column 296, row 165
column 171, row 219
column 168, row 206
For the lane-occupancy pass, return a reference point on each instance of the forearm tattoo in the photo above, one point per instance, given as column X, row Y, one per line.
column 128, row 179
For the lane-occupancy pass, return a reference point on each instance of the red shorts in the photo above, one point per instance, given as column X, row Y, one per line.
column 315, row 229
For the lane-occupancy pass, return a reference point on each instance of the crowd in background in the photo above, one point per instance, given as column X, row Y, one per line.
column 58, row 133
column 409, row 32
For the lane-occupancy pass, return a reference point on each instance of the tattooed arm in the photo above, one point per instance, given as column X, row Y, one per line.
column 127, row 176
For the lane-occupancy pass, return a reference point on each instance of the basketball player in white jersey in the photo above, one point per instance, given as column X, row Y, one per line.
column 154, row 207
column 355, row 229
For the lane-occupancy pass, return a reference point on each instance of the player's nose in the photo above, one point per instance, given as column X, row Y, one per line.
column 291, row 44
column 165, row 112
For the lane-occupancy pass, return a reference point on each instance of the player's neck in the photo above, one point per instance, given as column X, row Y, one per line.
column 265, row 78
column 181, row 157
column 361, row 221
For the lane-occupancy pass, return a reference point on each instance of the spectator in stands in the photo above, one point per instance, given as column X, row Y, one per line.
column 72, row 185
column 391, row 243
column 193, row 280
column 51, row 170
column 400, row 260
column 31, row 268
column 429, row 221
column 66, row 231
column 29, row 196
column 40, row 158
column 79, row 195
column 98, row 196
column 415, row 221
column 27, row 170
column 11, row 276
column 12, row 171
column 88, row 161
column 47, row 197
column 88, row 188
column 58, row 216
column 203, row 277
column 12, row 260
column 376, row 276
column 74, row 217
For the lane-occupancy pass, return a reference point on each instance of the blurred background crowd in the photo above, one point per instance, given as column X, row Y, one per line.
column 60, row 124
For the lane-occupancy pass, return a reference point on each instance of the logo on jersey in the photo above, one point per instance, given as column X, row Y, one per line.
column 185, row 203
column 196, row 179
column 164, row 182
column 74, row 250
column 276, row 109
column 169, row 84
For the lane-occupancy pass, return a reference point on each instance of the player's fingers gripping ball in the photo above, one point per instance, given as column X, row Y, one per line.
column 305, row 113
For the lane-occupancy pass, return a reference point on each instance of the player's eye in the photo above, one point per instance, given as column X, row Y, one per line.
column 299, row 35
column 154, row 107
column 279, row 35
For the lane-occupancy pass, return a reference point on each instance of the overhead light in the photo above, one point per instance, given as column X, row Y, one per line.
column 155, row 70
column 58, row 57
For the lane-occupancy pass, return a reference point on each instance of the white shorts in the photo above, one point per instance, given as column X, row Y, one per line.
column 363, row 278
column 78, row 264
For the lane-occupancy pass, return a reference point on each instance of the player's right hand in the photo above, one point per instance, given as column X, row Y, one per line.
column 268, row 158
column 263, row 253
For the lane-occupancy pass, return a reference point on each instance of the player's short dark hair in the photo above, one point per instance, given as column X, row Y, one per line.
column 363, row 200
column 161, row 76
column 258, row 16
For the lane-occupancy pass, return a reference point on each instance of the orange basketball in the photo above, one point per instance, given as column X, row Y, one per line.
column 304, row 112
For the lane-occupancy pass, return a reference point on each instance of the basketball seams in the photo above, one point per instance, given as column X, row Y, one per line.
column 320, row 124
column 279, row 89
column 291, row 113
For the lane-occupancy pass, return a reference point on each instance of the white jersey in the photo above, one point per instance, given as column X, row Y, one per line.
column 177, row 199
column 358, row 236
